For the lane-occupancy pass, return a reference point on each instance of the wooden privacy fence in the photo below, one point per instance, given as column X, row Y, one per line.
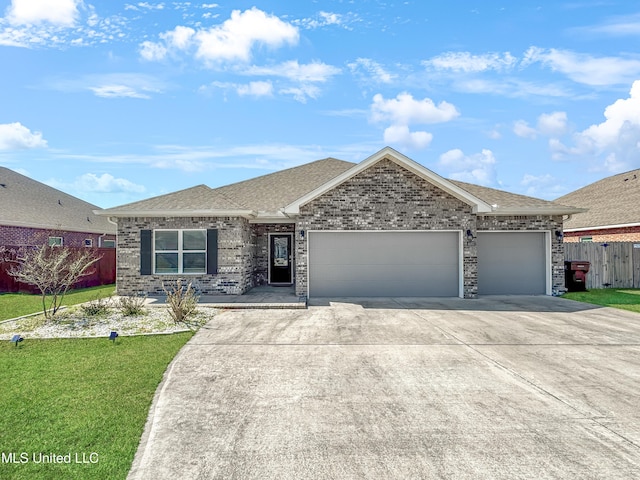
column 104, row 273
column 614, row 264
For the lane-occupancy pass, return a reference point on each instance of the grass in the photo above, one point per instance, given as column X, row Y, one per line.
column 78, row 396
column 14, row 305
column 624, row 299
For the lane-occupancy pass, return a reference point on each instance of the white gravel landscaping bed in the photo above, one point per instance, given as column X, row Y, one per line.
column 74, row 323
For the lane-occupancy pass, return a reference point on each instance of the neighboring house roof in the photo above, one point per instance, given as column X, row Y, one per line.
column 283, row 192
column 28, row 203
column 611, row 202
column 198, row 200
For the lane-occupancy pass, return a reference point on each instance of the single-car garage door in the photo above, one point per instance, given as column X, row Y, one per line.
column 384, row 264
column 512, row 263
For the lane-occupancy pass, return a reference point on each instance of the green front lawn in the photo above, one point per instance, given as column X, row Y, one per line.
column 623, row 298
column 84, row 399
column 14, row 305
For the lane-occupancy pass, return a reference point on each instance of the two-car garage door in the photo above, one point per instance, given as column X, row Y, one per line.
column 384, row 264
column 424, row 263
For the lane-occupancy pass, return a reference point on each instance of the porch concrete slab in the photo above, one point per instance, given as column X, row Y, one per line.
column 262, row 297
column 402, row 389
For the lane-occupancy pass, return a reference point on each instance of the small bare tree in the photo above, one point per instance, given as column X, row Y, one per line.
column 182, row 302
column 53, row 271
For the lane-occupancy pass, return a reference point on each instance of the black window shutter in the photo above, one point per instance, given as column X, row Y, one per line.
column 145, row 252
column 212, row 251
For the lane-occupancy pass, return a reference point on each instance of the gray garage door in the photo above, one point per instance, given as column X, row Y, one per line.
column 383, row 264
column 511, row 263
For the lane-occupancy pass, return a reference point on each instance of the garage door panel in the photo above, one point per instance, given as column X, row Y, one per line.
column 383, row 264
column 512, row 263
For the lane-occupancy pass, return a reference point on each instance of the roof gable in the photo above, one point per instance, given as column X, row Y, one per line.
column 478, row 205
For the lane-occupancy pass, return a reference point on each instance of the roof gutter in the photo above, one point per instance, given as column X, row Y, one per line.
column 602, row 227
column 177, row 213
column 534, row 211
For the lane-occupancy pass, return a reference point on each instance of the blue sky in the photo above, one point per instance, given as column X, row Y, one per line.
column 114, row 101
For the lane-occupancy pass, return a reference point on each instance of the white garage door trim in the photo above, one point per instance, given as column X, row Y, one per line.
column 547, row 252
column 310, row 233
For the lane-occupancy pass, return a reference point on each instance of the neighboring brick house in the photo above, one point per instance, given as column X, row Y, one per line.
column 384, row 227
column 33, row 213
column 612, row 213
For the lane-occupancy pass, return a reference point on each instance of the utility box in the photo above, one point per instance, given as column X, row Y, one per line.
column 575, row 275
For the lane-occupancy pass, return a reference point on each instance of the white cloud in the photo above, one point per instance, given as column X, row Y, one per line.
column 467, row 62
column 232, row 41
column 478, row 168
column 16, row 136
column 583, row 68
column 543, row 186
column 618, row 26
column 256, row 89
column 30, row 12
column 373, row 70
column 553, row 124
column 153, row 52
column 112, row 85
column 314, row 72
column 623, row 115
column 522, row 129
column 304, row 77
column 617, row 138
column 401, row 135
column 58, row 23
column 302, row 93
column 117, row 91
column 105, row 183
column 550, row 124
column 404, row 110
column 323, row 19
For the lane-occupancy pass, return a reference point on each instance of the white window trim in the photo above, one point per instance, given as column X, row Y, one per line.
column 180, row 251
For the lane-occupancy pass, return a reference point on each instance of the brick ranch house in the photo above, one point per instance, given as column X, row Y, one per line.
column 384, row 227
column 35, row 214
column 612, row 213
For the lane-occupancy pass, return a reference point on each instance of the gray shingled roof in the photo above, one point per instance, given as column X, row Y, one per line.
column 270, row 193
column 502, row 200
column 28, row 203
column 198, row 198
column 613, row 200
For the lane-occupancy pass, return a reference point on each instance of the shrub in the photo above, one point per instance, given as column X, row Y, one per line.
column 131, row 306
column 182, row 302
column 99, row 306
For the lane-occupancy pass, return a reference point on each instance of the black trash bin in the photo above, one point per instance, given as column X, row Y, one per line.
column 575, row 275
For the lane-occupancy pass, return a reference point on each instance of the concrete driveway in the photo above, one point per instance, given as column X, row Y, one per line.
column 499, row 387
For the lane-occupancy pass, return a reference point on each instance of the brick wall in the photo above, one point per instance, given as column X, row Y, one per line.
column 625, row 234
column 235, row 256
column 386, row 197
column 24, row 236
